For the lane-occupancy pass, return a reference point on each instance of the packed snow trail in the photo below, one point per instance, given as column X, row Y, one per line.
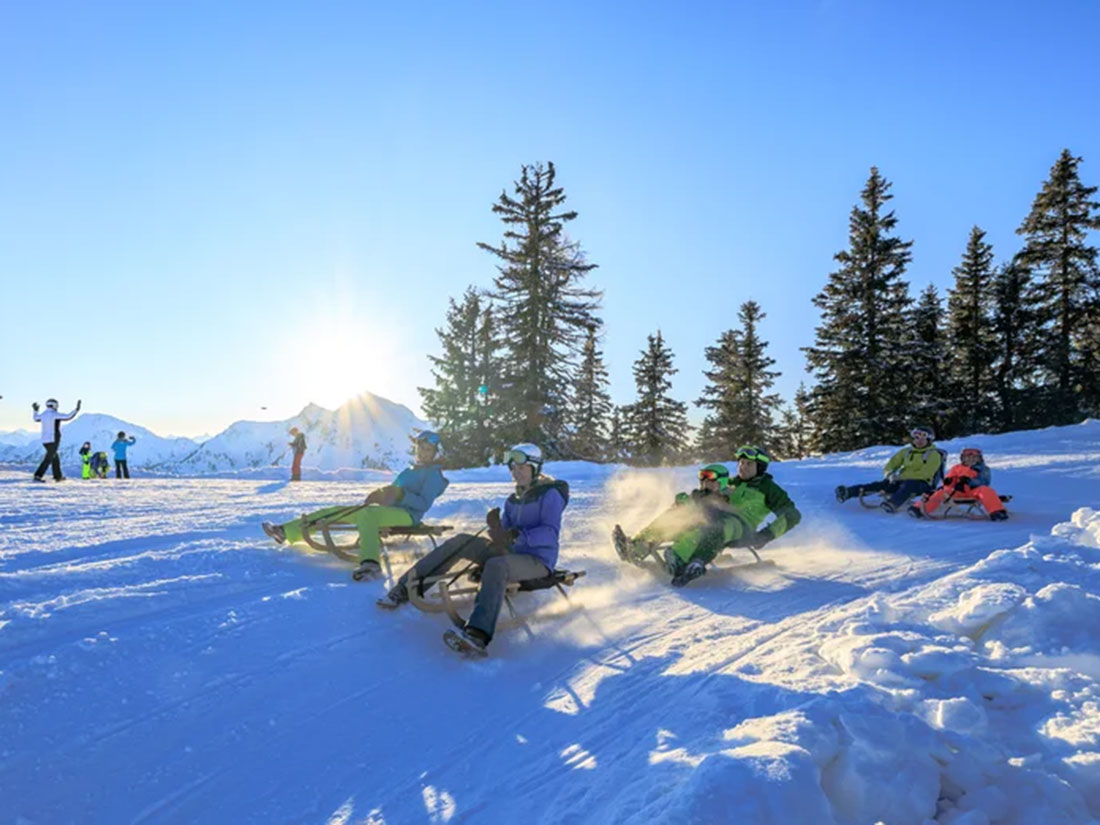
column 162, row 661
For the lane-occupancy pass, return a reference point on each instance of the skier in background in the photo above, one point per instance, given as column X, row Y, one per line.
column 298, row 445
column 121, row 445
column 51, row 437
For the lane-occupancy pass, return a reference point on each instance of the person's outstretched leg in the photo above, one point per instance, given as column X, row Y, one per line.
column 293, row 529
column 369, row 520
column 463, row 546
column 496, row 574
column 933, row 502
column 989, row 499
column 906, row 490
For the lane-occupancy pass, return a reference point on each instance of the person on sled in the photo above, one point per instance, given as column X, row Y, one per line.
column 400, row 504
column 723, row 512
column 911, row 471
column 521, row 544
column 970, row 479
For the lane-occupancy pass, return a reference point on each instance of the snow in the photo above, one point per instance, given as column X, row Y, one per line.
column 161, row 661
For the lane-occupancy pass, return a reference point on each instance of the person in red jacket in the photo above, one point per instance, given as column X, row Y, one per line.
column 968, row 479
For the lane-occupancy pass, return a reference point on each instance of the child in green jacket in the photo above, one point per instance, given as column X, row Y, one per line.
column 723, row 512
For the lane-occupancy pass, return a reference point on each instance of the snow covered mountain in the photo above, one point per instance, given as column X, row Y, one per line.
column 150, row 450
column 17, row 438
column 366, row 432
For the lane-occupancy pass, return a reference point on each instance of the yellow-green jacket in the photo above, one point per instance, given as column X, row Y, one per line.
column 912, row 464
column 760, row 496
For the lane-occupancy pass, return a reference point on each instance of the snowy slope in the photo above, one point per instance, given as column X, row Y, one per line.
column 160, row 661
column 150, row 450
column 366, row 432
column 17, row 438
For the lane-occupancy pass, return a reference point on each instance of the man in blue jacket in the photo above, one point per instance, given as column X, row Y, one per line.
column 400, row 504
column 522, row 544
column 121, row 445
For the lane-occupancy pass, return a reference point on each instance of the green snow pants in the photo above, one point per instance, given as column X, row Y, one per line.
column 696, row 532
column 367, row 519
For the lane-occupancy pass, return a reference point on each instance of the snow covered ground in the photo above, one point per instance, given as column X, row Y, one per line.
column 161, row 661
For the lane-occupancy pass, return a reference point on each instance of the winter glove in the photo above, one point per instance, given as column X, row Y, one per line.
column 682, row 498
column 34, row 406
column 492, row 518
column 384, row 496
column 760, row 538
column 78, row 405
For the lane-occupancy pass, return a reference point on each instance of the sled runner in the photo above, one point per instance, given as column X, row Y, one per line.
column 319, row 534
column 873, row 500
column 962, row 506
column 453, row 593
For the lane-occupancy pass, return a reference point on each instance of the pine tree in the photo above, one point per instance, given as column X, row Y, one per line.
column 971, row 345
column 795, row 432
column 859, row 353
column 545, row 312
column 591, row 407
column 657, row 423
column 1065, row 287
column 1014, row 343
column 618, row 440
column 460, row 405
column 925, row 373
column 742, row 408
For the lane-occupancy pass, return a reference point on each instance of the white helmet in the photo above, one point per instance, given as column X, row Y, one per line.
column 525, row 453
column 51, row 403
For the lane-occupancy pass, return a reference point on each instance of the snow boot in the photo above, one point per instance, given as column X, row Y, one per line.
column 622, row 544
column 367, row 569
column 694, row 570
column 673, row 563
column 275, row 531
column 469, row 641
column 915, row 511
column 40, row 480
column 841, row 493
column 397, row 596
column 889, row 507
column 1000, row 515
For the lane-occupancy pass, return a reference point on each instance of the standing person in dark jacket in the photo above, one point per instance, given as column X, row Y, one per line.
column 522, row 544
column 51, row 437
column 121, row 445
column 298, row 445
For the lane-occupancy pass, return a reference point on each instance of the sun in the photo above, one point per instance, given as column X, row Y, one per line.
column 337, row 360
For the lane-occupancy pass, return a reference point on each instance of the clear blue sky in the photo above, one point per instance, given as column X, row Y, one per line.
column 207, row 208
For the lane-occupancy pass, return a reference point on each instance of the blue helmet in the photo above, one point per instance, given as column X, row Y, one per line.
column 429, row 437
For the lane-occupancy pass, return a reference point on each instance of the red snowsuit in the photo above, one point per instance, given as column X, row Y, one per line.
column 956, row 484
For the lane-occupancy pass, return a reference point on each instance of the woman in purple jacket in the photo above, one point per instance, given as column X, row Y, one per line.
column 521, row 544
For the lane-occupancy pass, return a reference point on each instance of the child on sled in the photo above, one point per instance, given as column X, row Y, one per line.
column 969, row 479
column 723, row 512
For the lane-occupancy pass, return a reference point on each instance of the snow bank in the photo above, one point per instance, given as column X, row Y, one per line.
column 969, row 701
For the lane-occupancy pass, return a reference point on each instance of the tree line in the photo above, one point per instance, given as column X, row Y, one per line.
column 1016, row 345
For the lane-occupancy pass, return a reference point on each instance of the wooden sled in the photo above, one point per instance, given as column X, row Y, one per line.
column 320, row 534
column 454, row 593
column 963, row 507
column 877, row 497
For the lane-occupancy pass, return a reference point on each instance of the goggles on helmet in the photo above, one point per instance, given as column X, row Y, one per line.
column 918, row 432
column 753, row 454
column 971, row 452
column 51, row 404
column 517, row 456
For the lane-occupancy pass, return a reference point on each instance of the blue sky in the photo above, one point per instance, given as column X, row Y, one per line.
column 208, row 208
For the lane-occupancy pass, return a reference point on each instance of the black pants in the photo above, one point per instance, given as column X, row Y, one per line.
column 897, row 492
column 121, row 470
column 51, row 460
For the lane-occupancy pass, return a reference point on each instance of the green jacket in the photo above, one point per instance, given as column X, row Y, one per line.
column 911, row 464
column 760, row 496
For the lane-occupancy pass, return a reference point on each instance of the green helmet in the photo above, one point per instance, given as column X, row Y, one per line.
column 716, row 472
column 756, row 454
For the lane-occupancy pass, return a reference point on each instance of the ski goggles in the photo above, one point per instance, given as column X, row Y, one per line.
column 711, row 475
column 752, row 454
column 920, row 432
column 428, row 437
column 518, row 457
column 51, row 405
